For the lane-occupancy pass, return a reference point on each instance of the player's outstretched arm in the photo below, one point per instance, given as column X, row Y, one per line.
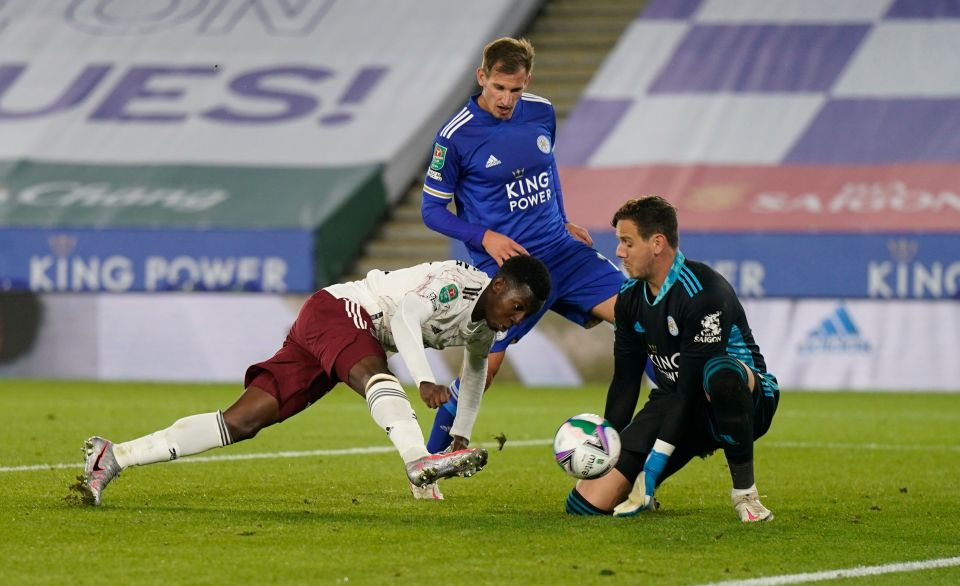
column 473, row 378
column 405, row 325
column 629, row 361
column 438, row 218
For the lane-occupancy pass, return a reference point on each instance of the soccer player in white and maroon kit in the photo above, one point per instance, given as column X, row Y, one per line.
column 341, row 335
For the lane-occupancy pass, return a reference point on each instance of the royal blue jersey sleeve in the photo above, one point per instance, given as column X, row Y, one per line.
column 438, row 218
column 443, row 172
column 439, row 186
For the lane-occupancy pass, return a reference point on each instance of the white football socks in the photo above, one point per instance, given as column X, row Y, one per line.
column 390, row 408
column 190, row 435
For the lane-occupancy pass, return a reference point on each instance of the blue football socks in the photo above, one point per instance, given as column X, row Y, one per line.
column 440, row 434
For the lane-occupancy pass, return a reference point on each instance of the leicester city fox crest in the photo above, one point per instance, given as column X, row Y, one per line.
column 543, row 143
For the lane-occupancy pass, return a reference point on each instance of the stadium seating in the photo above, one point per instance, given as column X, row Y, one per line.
column 812, row 150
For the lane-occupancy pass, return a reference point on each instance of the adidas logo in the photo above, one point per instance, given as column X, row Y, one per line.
column 836, row 333
column 492, row 161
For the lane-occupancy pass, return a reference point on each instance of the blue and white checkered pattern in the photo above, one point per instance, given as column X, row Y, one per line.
column 769, row 82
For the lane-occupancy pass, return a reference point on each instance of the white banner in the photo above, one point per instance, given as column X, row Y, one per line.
column 203, row 337
column 271, row 82
column 166, row 337
column 859, row 345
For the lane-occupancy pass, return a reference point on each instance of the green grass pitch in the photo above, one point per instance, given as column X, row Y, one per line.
column 854, row 480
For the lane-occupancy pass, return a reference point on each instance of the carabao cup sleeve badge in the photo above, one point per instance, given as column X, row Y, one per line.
column 439, row 156
column 449, row 293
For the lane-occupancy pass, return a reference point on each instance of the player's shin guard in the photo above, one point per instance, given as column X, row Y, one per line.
column 390, row 408
column 577, row 505
column 187, row 436
column 440, row 434
column 725, row 382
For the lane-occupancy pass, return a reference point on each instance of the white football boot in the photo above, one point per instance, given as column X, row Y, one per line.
column 746, row 502
column 429, row 469
column 100, row 467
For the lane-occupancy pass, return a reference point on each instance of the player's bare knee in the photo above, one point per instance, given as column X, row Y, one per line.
column 598, row 496
column 242, row 426
column 364, row 370
column 254, row 410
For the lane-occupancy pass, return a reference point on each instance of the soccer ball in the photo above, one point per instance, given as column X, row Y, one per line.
column 586, row 446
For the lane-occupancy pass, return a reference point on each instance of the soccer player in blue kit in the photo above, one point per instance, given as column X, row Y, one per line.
column 494, row 160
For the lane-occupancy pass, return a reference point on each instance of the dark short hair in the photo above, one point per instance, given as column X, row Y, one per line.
column 508, row 55
column 653, row 215
column 527, row 270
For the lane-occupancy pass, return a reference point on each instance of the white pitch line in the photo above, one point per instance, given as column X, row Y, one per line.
column 870, row 446
column 275, row 455
column 857, row 572
column 510, row 443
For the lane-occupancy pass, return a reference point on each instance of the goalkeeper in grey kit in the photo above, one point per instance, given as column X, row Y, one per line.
column 713, row 390
column 341, row 335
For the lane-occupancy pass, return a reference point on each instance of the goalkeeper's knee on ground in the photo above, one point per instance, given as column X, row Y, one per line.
column 577, row 505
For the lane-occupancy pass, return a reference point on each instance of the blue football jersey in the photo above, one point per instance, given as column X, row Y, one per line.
column 501, row 174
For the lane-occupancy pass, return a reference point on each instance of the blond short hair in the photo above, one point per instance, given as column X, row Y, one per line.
column 508, row 55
